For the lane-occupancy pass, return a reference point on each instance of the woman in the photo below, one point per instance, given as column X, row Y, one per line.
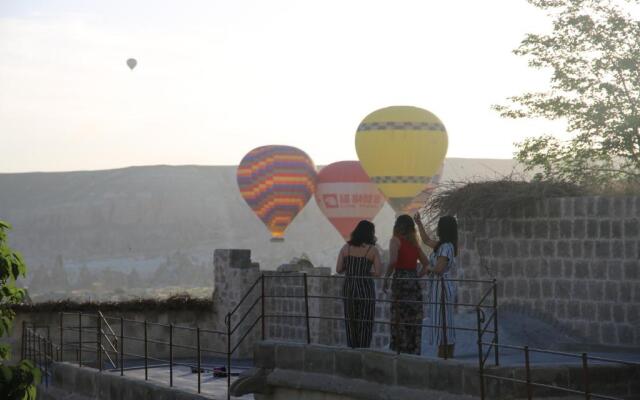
column 406, row 308
column 442, row 292
column 359, row 260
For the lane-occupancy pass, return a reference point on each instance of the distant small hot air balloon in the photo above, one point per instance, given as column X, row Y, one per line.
column 346, row 195
column 132, row 63
column 276, row 182
column 401, row 148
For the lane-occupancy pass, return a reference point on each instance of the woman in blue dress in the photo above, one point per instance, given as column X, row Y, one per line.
column 442, row 291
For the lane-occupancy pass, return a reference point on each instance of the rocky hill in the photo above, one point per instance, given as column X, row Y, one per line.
column 139, row 216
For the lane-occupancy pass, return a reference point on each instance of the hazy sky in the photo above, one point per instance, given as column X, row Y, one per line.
column 218, row 78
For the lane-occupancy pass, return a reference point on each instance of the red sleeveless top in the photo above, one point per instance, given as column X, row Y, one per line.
column 407, row 255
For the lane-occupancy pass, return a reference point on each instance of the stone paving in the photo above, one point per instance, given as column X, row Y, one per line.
column 184, row 379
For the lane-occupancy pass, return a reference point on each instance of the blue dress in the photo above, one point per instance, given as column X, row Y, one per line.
column 437, row 295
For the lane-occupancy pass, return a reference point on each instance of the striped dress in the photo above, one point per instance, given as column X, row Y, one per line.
column 359, row 300
column 437, row 296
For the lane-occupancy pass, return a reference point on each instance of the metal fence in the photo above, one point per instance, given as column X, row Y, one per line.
column 106, row 342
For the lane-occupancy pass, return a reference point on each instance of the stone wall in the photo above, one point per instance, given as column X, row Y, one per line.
column 574, row 261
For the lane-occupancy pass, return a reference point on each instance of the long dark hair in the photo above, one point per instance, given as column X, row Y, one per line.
column 406, row 229
column 365, row 233
column 448, row 232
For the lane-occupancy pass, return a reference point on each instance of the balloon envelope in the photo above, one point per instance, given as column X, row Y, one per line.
column 423, row 197
column 132, row 63
column 276, row 182
column 346, row 195
column 401, row 148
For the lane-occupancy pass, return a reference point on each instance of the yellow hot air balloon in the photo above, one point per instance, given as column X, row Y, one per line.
column 401, row 148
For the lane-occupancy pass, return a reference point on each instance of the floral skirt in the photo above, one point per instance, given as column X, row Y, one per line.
column 406, row 312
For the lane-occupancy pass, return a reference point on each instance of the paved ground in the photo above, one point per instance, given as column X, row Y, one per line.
column 183, row 378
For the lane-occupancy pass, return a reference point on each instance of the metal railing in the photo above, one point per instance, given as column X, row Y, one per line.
column 37, row 347
column 82, row 335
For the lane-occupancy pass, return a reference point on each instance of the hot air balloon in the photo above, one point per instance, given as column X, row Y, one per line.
column 401, row 148
column 276, row 182
column 346, row 195
column 421, row 199
column 132, row 63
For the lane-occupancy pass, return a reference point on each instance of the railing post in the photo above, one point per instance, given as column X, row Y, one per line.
column 496, row 351
column 262, row 304
column 22, row 340
column 444, row 318
column 528, row 372
column 99, row 342
column 585, row 370
column 46, row 364
column 198, row 350
column 80, row 339
column 306, row 308
column 480, row 353
column 61, row 337
column 121, row 346
column 170, row 355
column 227, row 321
column 146, row 350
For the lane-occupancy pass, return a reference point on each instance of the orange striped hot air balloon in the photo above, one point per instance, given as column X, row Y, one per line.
column 346, row 195
column 276, row 182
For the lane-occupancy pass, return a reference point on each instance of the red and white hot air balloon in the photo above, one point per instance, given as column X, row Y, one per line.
column 346, row 195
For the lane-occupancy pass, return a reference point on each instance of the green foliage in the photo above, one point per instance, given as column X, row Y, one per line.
column 593, row 52
column 18, row 381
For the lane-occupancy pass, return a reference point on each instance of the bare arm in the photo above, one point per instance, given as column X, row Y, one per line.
column 340, row 262
column 377, row 263
column 423, row 233
column 394, row 245
column 424, row 260
column 441, row 264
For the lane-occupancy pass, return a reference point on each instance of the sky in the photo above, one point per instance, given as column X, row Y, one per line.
column 217, row 78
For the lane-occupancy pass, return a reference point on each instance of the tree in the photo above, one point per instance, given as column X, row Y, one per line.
column 18, row 381
column 593, row 52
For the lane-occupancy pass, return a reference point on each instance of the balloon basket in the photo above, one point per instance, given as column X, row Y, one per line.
column 277, row 240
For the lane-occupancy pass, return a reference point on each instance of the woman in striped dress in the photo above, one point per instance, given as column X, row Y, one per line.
column 442, row 292
column 359, row 260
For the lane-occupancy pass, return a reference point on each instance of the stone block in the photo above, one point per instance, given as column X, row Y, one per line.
column 603, row 206
column 562, row 289
column 554, row 230
column 567, row 268
column 604, row 312
column 614, row 271
column 593, row 332
column 618, row 207
column 497, row 248
column 592, row 229
column 611, row 291
column 86, row 379
column 532, row 268
column 536, row 248
column 349, row 364
column 550, row 307
column 596, row 290
column 564, row 249
column 512, row 248
column 548, row 249
column 534, row 289
column 579, row 229
column 541, row 229
column 264, row 354
column 579, row 206
column 547, row 288
column 625, row 334
column 506, row 269
column 411, row 371
column 633, row 314
column 573, row 308
column 554, row 207
column 567, row 207
column 233, row 258
column 598, row 270
column 565, row 229
column 64, row 376
column 631, row 249
column 587, row 310
column 517, row 228
column 528, row 229
column 618, row 313
column 605, row 229
column 581, row 269
column 617, row 249
column 505, row 228
column 290, row 356
column 522, row 288
column 319, row 360
column 524, row 248
column 509, row 289
column 379, row 367
column 580, row 290
column 555, row 270
column 616, row 229
column 631, row 228
column 626, row 289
